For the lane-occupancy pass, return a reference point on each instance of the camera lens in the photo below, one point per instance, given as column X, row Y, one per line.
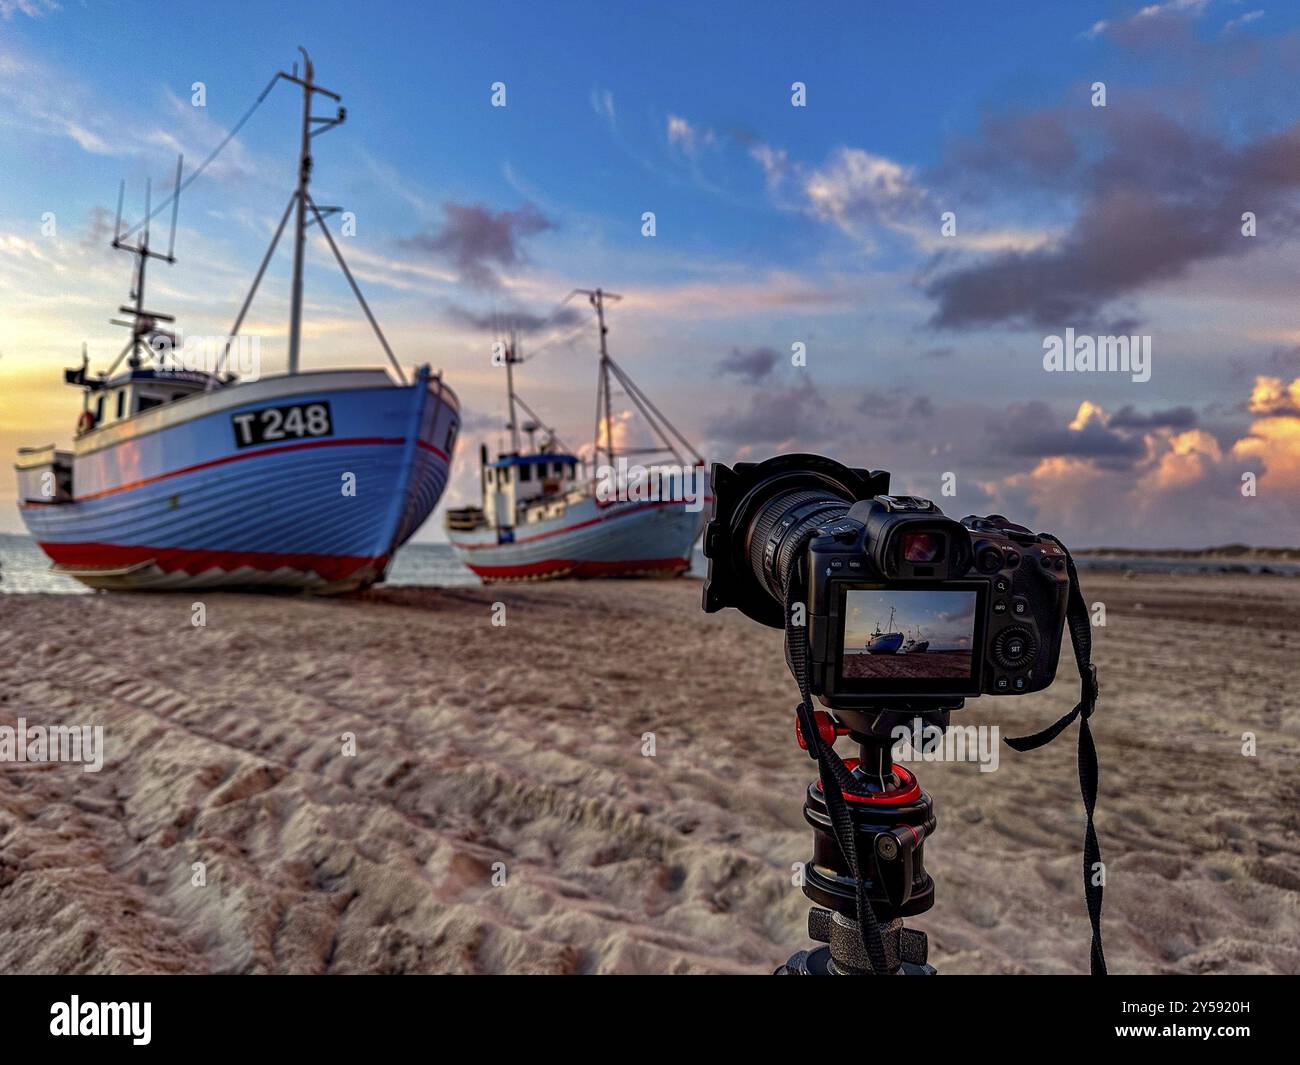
column 780, row 527
column 920, row 547
column 764, row 514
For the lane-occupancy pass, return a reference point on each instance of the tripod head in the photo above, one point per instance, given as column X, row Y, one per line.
column 890, row 817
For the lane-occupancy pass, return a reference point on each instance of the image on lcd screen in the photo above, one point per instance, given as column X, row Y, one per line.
column 895, row 634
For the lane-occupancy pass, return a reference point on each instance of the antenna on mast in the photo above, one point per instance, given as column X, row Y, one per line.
column 143, row 323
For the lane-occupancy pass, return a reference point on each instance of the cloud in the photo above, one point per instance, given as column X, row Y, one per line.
column 775, row 291
column 1173, row 418
column 1031, row 429
column 689, row 139
column 774, row 161
column 474, row 239
column 895, row 404
column 1184, row 490
column 1271, row 397
column 856, row 189
column 602, row 102
column 1158, row 200
column 1040, row 142
column 1152, row 24
column 51, row 103
column 30, row 8
column 1280, row 361
column 521, row 321
column 775, row 417
column 1242, row 20
column 753, row 365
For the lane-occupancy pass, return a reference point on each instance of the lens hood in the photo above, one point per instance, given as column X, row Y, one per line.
column 740, row 495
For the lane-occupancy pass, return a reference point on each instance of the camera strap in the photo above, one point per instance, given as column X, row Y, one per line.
column 836, row 779
column 835, row 776
column 1076, row 617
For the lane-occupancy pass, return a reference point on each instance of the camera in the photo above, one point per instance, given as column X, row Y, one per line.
column 904, row 606
column 892, row 611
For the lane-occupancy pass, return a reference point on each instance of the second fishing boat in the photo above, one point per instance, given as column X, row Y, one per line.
column 543, row 517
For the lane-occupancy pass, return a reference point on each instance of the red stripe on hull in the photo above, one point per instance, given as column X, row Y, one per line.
column 560, row 567
column 196, row 561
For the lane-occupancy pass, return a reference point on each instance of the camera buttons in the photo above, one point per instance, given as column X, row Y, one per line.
column 989, row 559
column 1001, row 585
column 1020, row 606
column 1013, row 647
column 999, row 606
column 1001, row 684
column 1012, row 559
column 1020, row 683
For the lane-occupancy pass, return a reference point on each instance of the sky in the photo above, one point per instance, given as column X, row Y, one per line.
column 946, row 619
column 868, row 222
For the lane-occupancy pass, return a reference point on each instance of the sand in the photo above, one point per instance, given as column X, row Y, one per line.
column 909, row 666
column 499, row 814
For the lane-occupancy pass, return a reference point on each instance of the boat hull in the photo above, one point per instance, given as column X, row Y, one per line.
column 169, row 500
column 590, row 539
column 886, row 644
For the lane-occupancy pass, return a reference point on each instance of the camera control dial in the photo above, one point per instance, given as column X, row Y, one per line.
column 1014, row 647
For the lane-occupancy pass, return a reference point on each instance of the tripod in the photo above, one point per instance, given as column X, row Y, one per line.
column 891, row 817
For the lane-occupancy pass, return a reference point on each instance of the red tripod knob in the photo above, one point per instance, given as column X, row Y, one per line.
column 827, row 729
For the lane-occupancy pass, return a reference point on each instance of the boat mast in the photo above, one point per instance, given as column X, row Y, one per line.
column 668, row 434
column 304, row 179
column 598, row 301
column 512, row 357
column 597, row 297
column 312, row 126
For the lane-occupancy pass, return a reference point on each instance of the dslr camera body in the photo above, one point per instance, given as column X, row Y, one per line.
column 905, row 608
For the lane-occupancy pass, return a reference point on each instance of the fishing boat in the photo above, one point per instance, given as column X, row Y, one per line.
column 544, row 516
column 184, row 476
column 885, row 642
column 915, row 645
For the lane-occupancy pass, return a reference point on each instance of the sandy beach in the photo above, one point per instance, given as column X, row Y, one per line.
column 499, row 814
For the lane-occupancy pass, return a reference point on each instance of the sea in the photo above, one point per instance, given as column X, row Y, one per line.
column 24, row 568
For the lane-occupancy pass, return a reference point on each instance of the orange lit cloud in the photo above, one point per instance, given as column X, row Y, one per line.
column 1189, row 485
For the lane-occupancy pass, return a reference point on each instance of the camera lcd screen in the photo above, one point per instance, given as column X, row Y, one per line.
column 919, row 639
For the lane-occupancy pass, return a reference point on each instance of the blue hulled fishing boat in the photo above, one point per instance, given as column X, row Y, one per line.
column 183, row 476
column 884, row 642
